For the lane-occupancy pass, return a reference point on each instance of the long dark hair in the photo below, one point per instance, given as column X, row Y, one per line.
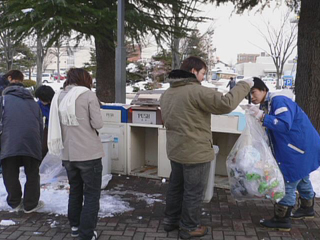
column 79, row 77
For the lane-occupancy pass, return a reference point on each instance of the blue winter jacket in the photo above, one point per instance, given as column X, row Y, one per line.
column 295, row 141
column 45, row 109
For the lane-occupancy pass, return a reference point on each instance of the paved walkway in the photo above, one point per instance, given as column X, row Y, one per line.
column 227, row 219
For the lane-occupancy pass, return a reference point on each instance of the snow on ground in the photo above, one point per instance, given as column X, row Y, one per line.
column 55, row 192
column 55, row 85
column 314, row 177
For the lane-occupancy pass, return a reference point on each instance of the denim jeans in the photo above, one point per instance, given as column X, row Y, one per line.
column 185, row 194
column 85, row 183
column 304, row 188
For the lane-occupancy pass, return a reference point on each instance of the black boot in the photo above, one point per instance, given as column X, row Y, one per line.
column 305, row 209
column 281, row 220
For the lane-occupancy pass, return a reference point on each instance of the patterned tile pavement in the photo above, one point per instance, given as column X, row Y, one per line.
column 227, row 219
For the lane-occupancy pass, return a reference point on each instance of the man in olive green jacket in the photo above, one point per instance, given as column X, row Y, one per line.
column 186, row 109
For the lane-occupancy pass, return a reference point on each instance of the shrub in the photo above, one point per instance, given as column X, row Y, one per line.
column 29, row 83
column 135, row 89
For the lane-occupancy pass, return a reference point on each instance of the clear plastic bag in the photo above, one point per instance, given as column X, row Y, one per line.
column 252, row 170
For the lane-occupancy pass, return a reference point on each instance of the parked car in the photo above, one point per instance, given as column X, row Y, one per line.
column 61, row 77
column 46, row 77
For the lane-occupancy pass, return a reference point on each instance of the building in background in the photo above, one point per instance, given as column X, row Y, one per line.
column 264, row 67
column 68, row 57
column 247, row 57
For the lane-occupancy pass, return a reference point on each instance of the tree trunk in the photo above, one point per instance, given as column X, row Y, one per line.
column 9, row 52
column 58, row 62
column 39, row 61
column 175, row 53
column 308, row 69
column 105, row 76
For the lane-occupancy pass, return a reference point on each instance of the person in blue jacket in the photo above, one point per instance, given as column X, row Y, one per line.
column 295, row 143
column 45, row 94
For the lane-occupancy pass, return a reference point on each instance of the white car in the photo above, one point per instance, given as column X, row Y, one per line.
column 46, row 77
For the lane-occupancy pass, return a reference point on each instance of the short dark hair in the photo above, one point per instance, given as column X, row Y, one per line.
column 44, row 93
column 259, row 84
column 193, row 62
column 79, row 77
column 231, row 78
column 15, row 75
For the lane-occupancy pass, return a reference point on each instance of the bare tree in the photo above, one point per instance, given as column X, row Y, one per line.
column 281, row 42
column 8, row 46
column 58, row 50
column 46, row 61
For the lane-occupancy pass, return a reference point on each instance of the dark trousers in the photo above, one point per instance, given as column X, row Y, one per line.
column 85, row 183
column 185, row 194
column 11, row 170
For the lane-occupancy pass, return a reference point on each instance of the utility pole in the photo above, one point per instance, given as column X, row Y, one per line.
column 120, row 57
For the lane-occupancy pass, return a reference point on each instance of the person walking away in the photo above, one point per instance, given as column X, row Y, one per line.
column 186, row 109
column 21, row 145
column 45, row 94
column 74, row 119
column 231, row 83
column 297, row 151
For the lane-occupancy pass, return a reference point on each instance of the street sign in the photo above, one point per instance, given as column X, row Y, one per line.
column 287, row 81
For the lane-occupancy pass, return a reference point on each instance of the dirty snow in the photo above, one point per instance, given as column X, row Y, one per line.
column 55, row 192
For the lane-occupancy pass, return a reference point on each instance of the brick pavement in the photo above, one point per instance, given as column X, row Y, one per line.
column 227, row 219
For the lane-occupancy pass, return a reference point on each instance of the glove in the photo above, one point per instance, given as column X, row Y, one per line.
column 249, row 81
column 256, row 112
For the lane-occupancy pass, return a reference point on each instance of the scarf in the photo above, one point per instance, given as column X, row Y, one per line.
column 67, row 110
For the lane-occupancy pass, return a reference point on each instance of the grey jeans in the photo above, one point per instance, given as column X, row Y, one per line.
column 185, row 194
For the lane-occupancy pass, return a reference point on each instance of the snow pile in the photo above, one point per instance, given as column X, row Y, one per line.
column 7, row 223
column 314, row 177
column 55, row 191
column 56, row 194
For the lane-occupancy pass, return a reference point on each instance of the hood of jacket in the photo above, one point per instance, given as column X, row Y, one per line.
column 17, row 90
column 179, row 78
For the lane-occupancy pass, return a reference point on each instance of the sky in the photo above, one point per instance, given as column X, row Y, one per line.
column 236, row 33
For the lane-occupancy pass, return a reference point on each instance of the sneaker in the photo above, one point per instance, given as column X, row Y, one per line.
column 40, row 205
column 18, row 208
column 199, row 232
column 95, row 235
column 74, row 232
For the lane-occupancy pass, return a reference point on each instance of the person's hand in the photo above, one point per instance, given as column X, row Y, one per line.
column 256, row 112
column 249, row 81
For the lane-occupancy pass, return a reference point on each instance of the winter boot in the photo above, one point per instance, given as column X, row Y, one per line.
column 305, row 209
column 199, row 232
column 281, row 220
